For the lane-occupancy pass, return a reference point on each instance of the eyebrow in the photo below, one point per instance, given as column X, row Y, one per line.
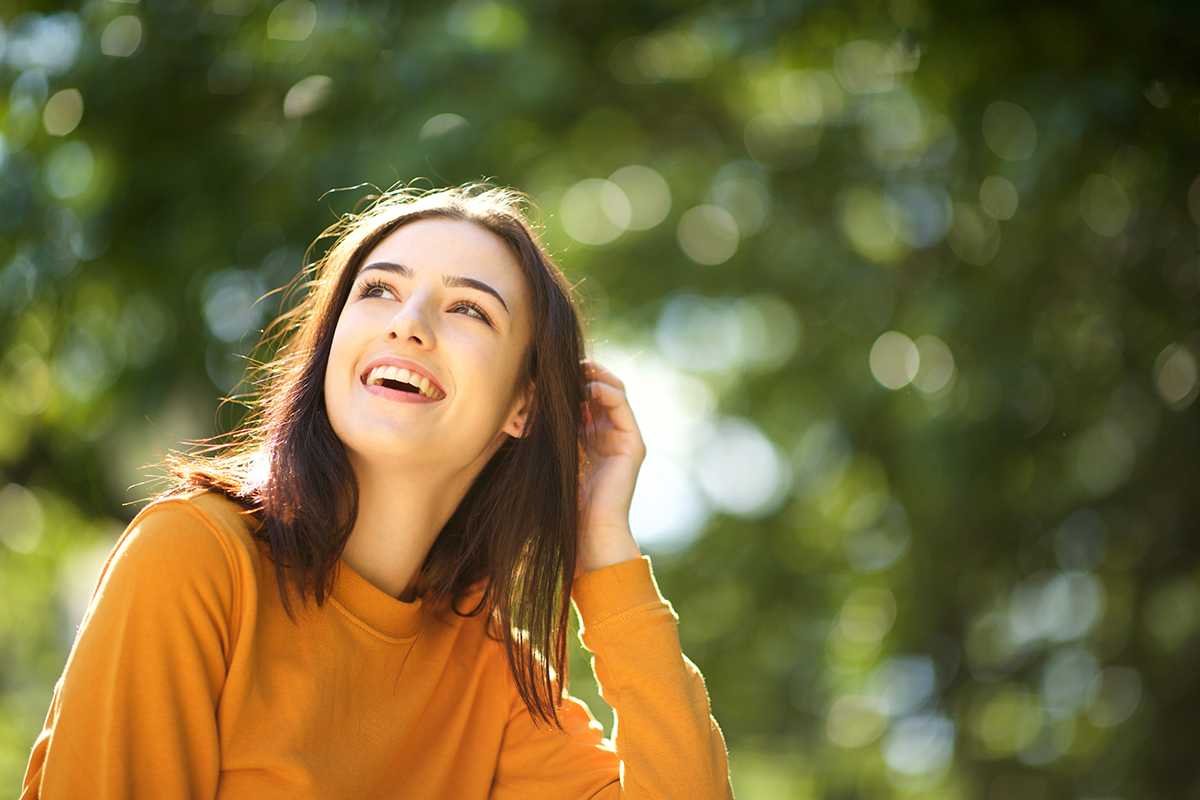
column 451, row 281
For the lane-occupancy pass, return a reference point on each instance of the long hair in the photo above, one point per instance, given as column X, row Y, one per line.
column 514, row 533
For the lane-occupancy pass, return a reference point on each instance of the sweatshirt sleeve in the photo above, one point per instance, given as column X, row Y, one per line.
column 667, row 745
column 133, row 715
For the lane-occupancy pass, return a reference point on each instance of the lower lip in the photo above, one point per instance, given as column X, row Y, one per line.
column 396, row 395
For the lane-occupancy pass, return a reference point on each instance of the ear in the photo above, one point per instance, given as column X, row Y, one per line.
column 519, row 416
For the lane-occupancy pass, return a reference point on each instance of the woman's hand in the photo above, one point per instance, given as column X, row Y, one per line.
column 614, row 451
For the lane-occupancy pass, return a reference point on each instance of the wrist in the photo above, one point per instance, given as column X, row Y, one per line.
column 603, row 548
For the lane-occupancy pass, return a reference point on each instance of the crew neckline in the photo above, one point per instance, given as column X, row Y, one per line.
column 375, row 608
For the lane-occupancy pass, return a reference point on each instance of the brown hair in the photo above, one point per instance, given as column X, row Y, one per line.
column 515, row 532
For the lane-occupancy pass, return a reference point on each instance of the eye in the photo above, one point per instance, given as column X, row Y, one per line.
column 469, row 309
column 375, row 288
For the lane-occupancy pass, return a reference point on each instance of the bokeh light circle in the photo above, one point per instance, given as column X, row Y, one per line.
column 708, row 235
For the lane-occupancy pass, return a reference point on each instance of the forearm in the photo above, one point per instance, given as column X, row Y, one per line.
column 665, row 737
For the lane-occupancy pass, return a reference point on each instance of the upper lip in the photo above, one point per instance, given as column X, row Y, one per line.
column 402, row 363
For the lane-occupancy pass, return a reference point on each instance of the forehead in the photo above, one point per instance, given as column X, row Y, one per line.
column 449, row 246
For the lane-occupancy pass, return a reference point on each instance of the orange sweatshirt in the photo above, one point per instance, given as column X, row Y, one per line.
column 187, row 679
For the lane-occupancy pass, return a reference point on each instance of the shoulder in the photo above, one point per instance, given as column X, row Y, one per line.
column 199, row 516
column 184, row 564
column 180, row 537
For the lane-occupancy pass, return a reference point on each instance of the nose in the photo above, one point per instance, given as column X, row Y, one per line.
column 411, row 322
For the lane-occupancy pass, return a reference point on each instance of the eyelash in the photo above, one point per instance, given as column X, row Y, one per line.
column 372, row 286
column 486, row 317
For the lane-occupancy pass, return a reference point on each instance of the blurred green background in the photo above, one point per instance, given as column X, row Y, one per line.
column 905, row 292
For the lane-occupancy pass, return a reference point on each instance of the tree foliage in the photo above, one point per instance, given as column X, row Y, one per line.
column 906, row 291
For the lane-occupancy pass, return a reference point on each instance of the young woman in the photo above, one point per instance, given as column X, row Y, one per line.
column 369, row 596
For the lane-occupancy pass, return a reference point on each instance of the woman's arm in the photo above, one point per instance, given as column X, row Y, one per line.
column 666, row 743
column 666, row 739
column 133, row 715
column 615, row 452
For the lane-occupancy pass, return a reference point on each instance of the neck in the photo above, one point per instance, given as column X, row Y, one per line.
column 400, row 514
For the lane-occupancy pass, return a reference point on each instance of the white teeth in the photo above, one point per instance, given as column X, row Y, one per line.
column 391, row 373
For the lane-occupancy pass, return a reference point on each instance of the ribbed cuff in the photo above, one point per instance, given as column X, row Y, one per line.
column 606, row 593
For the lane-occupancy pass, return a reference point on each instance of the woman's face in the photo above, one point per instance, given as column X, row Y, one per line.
column 425, row 361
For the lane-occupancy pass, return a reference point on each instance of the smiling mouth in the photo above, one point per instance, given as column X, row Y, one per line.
column 403, row 380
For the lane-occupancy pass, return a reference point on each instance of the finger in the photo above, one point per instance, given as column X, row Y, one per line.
column 614, row 404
